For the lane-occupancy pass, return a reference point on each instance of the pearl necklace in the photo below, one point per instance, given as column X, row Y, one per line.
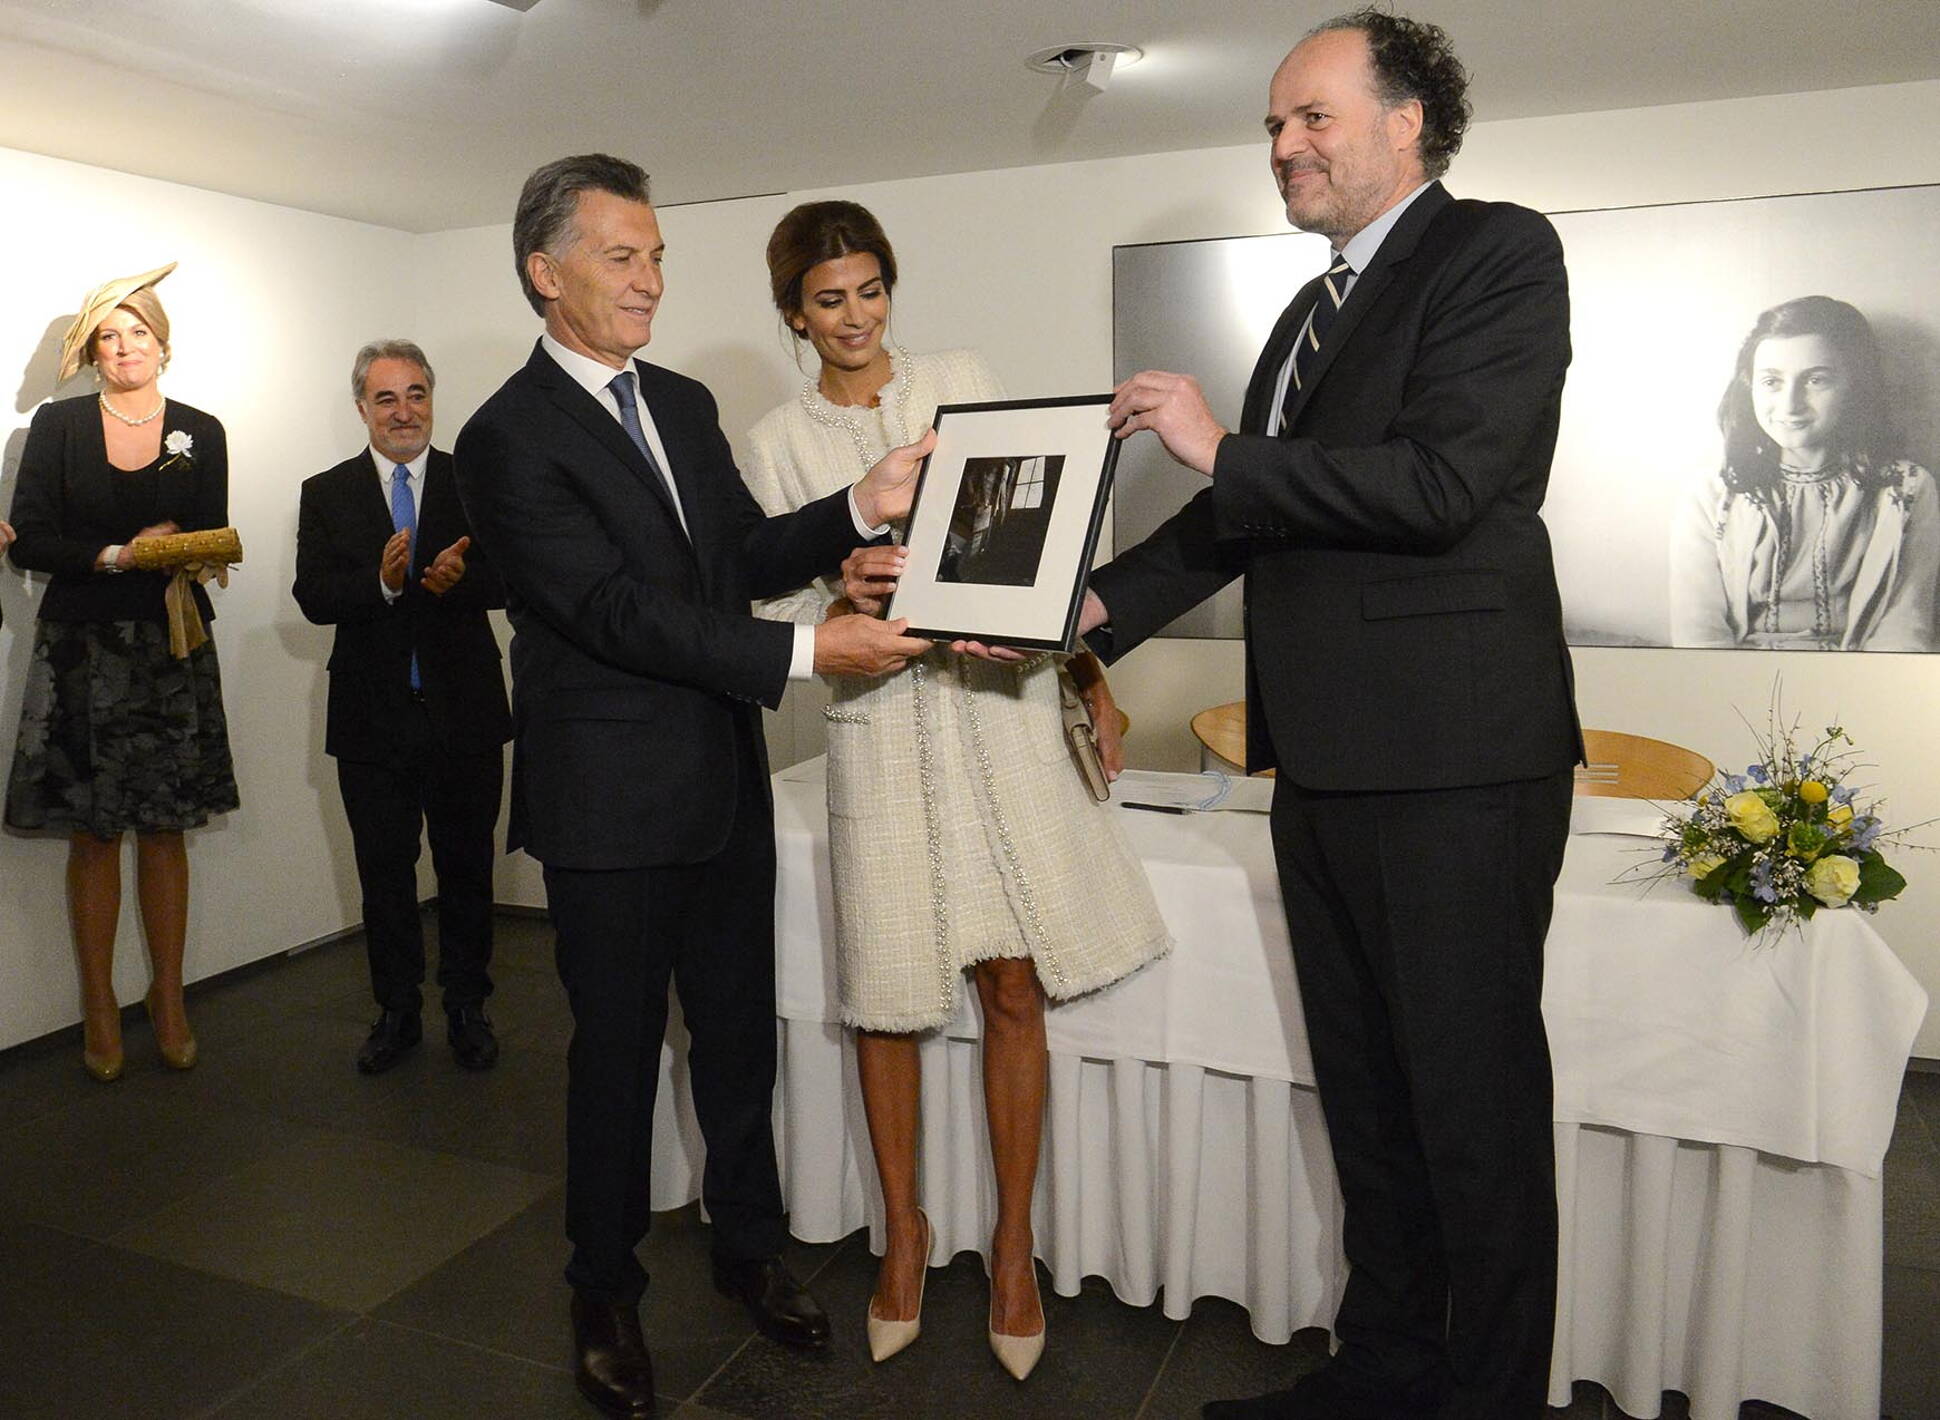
column 133, row 423
column 812, row 402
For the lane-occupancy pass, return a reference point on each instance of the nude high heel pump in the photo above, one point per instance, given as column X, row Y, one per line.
column 105, row 1064
column 180, row 1057
column 886, row 1338
column 1019, row 1354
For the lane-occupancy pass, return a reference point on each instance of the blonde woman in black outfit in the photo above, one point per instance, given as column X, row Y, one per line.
column 117, row 734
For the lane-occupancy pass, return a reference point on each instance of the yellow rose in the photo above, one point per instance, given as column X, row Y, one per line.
column 1814, row 792
column 1833, row 879
column 1839, row 815
column 1751, row 816
column 1704, row 865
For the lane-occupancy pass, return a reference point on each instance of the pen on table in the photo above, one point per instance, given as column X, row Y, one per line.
column 1153, row 808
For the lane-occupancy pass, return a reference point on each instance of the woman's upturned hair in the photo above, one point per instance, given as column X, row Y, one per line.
column 1866, row 437
column 816, row 232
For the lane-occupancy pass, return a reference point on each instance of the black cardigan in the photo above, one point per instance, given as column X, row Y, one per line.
column 65, row 510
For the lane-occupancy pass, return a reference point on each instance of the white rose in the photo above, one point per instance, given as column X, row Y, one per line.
column 1833, row 879
column 178, row 442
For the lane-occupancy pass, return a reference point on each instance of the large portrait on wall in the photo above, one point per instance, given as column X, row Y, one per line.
column 1750, row 428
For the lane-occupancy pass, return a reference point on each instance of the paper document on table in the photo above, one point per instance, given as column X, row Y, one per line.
column 1192, row 793
column 1633, row 818
column 809, row 771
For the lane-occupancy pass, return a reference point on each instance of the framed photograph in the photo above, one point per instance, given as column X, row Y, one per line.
column 1006, row 519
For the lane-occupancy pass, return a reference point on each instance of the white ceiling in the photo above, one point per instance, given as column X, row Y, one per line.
column 427, row 114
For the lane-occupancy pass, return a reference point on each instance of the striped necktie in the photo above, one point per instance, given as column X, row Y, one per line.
column 404, row 519
column 1306, row 351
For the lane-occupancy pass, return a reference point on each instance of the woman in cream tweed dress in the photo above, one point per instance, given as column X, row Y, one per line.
column 960, row 835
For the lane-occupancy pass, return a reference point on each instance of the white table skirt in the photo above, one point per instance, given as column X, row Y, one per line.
column 1712, row 1268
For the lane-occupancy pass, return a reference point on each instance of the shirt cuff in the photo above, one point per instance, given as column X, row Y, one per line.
column 112, row 551
column 855, row 513
column 385, row 587
column 801, row 665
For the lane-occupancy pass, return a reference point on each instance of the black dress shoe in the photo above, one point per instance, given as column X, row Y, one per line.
column 1331, row 1393
column 394, row 1033
column 472, row 1043
column 781, row 1307
column 611, row 1366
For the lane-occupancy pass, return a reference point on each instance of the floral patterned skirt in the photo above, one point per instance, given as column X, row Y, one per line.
column 117, row 735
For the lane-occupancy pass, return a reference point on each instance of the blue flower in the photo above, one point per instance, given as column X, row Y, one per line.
column 1865, row 831
column 1761, row 881
column 1805, row 764
column 1670, row 852
column 1734, row 783
column 1842, row 795
column 1759, row 773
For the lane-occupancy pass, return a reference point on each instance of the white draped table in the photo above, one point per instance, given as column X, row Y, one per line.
column 1721, row 1114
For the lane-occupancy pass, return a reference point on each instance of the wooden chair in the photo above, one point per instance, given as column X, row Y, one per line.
column 1636, row 767
column 1221, row 730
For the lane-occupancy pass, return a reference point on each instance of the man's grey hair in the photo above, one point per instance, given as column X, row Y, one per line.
column 551, row 197
column 388, row 350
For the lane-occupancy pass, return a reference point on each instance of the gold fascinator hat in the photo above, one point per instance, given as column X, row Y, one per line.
column 101, row 300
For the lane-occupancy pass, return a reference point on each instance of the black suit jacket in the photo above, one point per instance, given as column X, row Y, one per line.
column 343, row 522
column 66, row 509
column 1403, row 626
column 636, row 668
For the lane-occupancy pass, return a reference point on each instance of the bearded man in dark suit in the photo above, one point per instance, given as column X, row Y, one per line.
column 1407, row 675
column 608, row 497
column 417, row 718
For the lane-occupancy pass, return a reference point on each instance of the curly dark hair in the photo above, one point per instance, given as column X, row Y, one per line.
column 1415, row 60
column 1867, row 439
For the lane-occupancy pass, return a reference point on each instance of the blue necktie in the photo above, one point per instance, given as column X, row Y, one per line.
column 404, row 519
column 621, row 386
column 1333, row 291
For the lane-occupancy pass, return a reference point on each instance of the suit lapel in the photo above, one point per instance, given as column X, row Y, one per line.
column 592, row 416
column 677, row 437
column 440, row 497
column 1398, row 247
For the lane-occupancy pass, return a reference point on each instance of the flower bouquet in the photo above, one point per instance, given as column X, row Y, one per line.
column 1785, row 838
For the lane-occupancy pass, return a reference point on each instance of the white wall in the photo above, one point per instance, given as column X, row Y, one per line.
column 1015, row 263
column 267, row 308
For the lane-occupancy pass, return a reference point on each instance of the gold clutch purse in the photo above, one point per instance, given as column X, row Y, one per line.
column 166, row 554
column 193, row 557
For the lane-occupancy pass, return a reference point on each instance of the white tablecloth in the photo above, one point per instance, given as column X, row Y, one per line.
column 1722, row 1111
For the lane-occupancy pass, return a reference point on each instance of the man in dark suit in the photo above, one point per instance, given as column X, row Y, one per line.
column 609, row 500
column 417, row 718
column 1406, row 673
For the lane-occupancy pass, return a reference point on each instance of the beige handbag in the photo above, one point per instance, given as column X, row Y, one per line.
column 1081, row 738
column 193, row 557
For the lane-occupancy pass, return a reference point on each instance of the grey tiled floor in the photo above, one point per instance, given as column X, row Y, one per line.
column 273, row 1235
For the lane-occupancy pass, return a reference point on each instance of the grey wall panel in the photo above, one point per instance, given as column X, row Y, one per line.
column 1204, row 309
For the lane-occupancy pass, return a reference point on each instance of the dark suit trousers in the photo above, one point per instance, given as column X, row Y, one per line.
column 622, row 935
column 1417, row 922
column 454, row 800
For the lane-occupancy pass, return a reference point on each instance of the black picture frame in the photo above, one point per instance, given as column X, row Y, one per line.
column 1006, row 519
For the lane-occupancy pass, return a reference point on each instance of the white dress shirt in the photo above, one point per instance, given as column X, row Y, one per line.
column 594, row 376
column 415, row 468
column 1358, row 252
